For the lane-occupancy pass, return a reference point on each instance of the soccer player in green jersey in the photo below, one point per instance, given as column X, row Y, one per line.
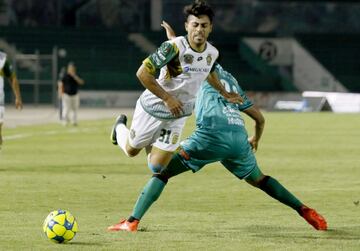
column 220, row 135
column 6, row 71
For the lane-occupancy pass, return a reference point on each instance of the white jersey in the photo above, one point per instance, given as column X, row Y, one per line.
column 182, row 72
column 2, row 63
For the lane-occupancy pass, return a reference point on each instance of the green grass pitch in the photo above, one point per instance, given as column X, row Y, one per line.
column 315, row 155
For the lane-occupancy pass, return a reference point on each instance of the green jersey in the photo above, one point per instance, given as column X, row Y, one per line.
column 220, row 134
column 213, row 111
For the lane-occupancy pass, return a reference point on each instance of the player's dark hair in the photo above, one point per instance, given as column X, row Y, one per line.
column 199, row 7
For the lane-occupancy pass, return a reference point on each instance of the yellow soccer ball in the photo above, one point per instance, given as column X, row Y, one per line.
column 60, row 226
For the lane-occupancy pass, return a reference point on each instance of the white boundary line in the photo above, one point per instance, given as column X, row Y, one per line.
column 52, row 132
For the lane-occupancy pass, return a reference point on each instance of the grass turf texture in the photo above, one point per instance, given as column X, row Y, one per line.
column 314, row 155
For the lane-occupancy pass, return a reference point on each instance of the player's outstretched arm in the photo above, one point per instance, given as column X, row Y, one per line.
column 259, row 119
column 16, row 89
column 150, row 83
column 170, row 33
column 232, row 97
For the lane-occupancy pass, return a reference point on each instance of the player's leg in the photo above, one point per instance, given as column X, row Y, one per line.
column 155, row 186
column 140, row 135
column 60, row 109
column 164, row 165
column 150, row 193
column 193, row 155
column 166, row 141
column 244, row 166
column 66, row 108
column 72, row 109
column 273, row 188
column 76, row 104
column 242, row 163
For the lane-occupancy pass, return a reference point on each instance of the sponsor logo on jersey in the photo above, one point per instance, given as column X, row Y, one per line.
column 195, row 69
column 230, row 110
column 161, row 56
column 175, row 138
column 233, row 116
column 132, row 134
column 162, row 52
column 209, row 59
column 188, row 58
column 235, row 121
column 156, row 59
column 165, row 48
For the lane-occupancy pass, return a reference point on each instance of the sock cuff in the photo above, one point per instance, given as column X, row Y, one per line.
column 160, row 177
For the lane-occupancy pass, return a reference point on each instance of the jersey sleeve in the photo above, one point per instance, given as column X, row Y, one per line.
column 163, row 55
column 8, row 69
column 213, row 67
column 247, row 102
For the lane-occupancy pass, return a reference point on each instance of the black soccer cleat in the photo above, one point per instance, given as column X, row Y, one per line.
column 121, row 119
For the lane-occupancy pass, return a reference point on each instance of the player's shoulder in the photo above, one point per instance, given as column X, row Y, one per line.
column 180, row 42
column 172, row 44
column 210, row 46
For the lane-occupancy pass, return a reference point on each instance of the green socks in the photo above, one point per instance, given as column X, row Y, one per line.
column 273, row 188
column 148, row 196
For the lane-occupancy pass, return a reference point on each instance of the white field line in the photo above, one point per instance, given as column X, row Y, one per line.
column 53, row 132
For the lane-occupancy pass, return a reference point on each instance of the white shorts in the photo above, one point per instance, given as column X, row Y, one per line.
column 147, row 130
column 2, row 114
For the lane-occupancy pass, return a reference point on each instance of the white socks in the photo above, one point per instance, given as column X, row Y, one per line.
column 122, row 133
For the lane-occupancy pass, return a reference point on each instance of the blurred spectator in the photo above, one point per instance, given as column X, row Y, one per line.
column 68, row 88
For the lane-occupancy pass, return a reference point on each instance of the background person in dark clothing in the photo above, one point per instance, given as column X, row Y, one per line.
column 69, row 87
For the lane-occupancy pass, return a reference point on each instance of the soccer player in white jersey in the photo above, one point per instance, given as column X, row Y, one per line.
column 220, row 135
column 161, row 111
column 6, row 71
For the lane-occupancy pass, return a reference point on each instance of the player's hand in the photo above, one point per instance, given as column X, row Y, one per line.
column 233, row 97
column 174, row 105
column 254, row 143
column 18, row 103
column 170, row 33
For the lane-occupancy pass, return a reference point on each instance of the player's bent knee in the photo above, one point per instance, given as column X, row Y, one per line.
column 261, row 183
column 155, row 168
column 132, row 152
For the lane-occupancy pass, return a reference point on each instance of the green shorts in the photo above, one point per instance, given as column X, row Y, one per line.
column 231, row 148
